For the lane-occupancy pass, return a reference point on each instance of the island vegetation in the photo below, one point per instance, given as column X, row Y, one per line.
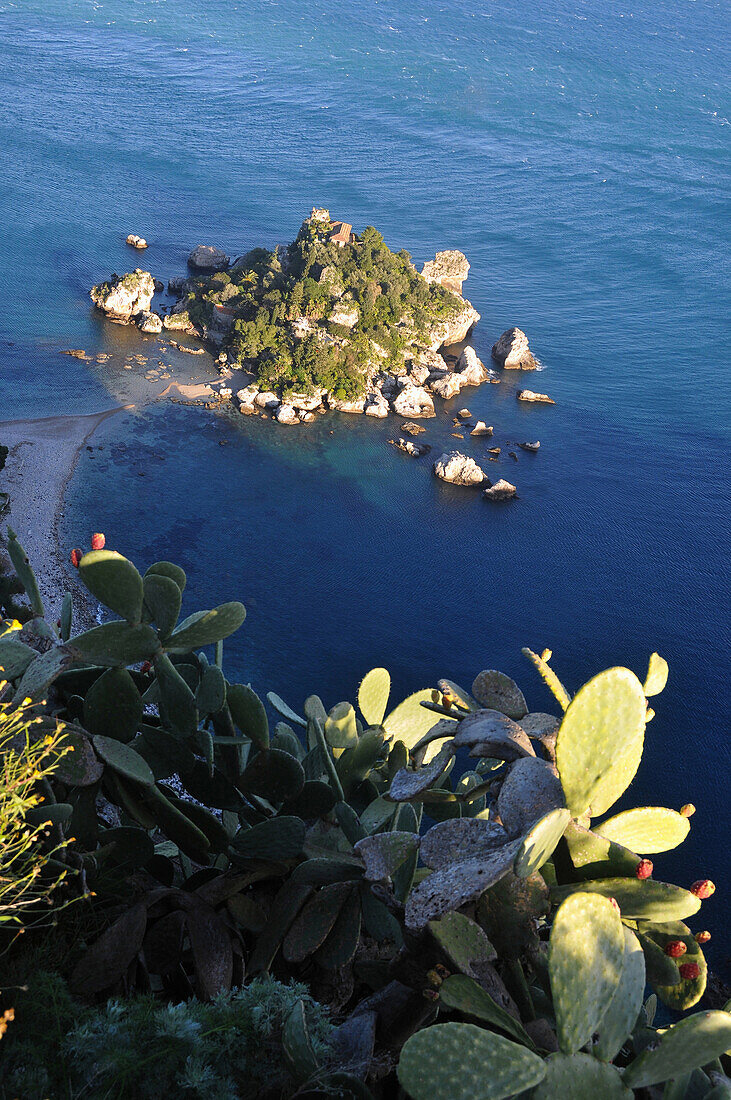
column 226, row 896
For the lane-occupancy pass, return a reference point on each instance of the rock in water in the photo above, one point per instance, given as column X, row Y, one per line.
column 472, row 370
column 530, row 446
column 206, row 258
column 459, row 469
column 135, row 241
column 412, row 429
column 529, row 395
column 413, row 401
column 122, row 298
column 447, row 386
column 512, row 351
column 501, row 490
column 345, row 406
column 376, row 405
column 149, row 322
column 416, row 450
column 464, row 413
column 481, row 428
column 286, row 414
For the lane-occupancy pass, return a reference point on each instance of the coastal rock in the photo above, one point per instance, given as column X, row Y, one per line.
column 149, row 322
column 136, row 241
column 247, row 400
column 412, row 429
column 286, row 414
column 208, row 259
column 267, row 399
column 481, row 428
column 454, row 329
column 415, row 450
column 413, row 401
column 123, row 297
column 179, row 321
column 530, row 446
column 464, row 413
column 384, row 382
column 376, row 405
column 471, row 368
column 529, row 395
column 307, row 417
column 459, row 469
column 177, row 285
column 449, row 269
column 501, row 490
column 305, row 402
column 512, row 351
column 345, row 406
column 447, row 386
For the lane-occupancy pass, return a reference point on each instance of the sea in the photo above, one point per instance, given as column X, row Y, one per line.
column 578, row 154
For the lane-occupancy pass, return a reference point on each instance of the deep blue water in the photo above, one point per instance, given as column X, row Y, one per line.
column 578, row 154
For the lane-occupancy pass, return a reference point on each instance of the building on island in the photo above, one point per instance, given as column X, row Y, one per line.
column 342, row 234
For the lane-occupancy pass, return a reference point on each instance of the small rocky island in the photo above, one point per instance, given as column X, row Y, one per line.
column 335, row 320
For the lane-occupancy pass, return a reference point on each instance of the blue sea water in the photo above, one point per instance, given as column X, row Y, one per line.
column 578, row 154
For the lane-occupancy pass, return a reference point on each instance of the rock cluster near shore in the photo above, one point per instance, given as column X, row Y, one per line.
column 512, row 351
column 124, row 297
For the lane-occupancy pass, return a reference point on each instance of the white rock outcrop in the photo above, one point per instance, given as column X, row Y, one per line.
column 512, row 352
column 208, row 259
column 286, row 414
column 123, row 297
column 136, row 241
column 449, row 268
column 481, row 428
column 345, row 406
column 414, row 402
column 447, row 386
column 149, row 322
column 454, row 329
column 501, row 490
column 530, row 395
column 471, row 368
column 459, row 469
column 376, row 405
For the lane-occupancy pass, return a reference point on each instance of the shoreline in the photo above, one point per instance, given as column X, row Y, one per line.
column 42, row 457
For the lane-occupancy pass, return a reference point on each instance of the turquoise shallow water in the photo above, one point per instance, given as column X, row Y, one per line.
column 578, row 154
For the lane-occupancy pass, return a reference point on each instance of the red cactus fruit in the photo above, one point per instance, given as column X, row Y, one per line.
column 675, row 948
column 703, row 888
column 702, row 937
column 615, row 904
column 98, row 541
column 76, row 556
column 430, row 994
column 145, row 666
column 644, row 868
column 689, row 971
column 688, row 809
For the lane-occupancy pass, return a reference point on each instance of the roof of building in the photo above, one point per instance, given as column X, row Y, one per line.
column 342, row 231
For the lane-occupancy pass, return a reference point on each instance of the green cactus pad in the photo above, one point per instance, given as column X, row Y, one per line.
column 177, row 701
column 690, row 1043
column 207, row 627
column 115, row 644
column 463, row 994
column 453, row 886
column 677, row 993
column 646, row 900
column 164, row 751
column 41, row 673
column 490, row 733
column 594, row 856
column 112, row 706
column 248, row 713
column 210, row 696
column 214, row 789
column 114, row 581
column 341, row 730
column 316, row 799
column 315, row 921
column 162, row 599
column 464, row 1062
column 15, row 656
column 322, row 871
column 580, row 1077
column 286, row 739
column 458, row 695
column 67, row 615
column 383, row 853
column 168, row 569
column 286, row 712
column 662, row 971
column 274, row 775
column 81, row 767
column 624, row 1007
column 540, row 841
column 530, row 791
column 176, row 825
column 459, row 839
column 342, row 942
column 409, row 721
column 498, row 692
column 203, row 819
column 349, row 822
column 381, row 925
column 463, row 941
column 286, row 905
column 355, row 764
column 510, row 912
column 657, row 675
column 297, row 1046
column 124, row 760
column 647, row 829
column 599, row 744
column 49, row 813
column 373, row 695
column 25, row 574
column 276, row 839
column 586, row 939
column 408, row 784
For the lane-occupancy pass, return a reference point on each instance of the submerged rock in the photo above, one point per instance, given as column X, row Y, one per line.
column 481, row 428
column 416, row 450
column 529, row 395
column 121, row 298
column 136, row 241
column 501, row 490
column 459, row 469
column 149, row 322
column 412, row 429
column 512, row 352
column 206, row 258
column 413, row 401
